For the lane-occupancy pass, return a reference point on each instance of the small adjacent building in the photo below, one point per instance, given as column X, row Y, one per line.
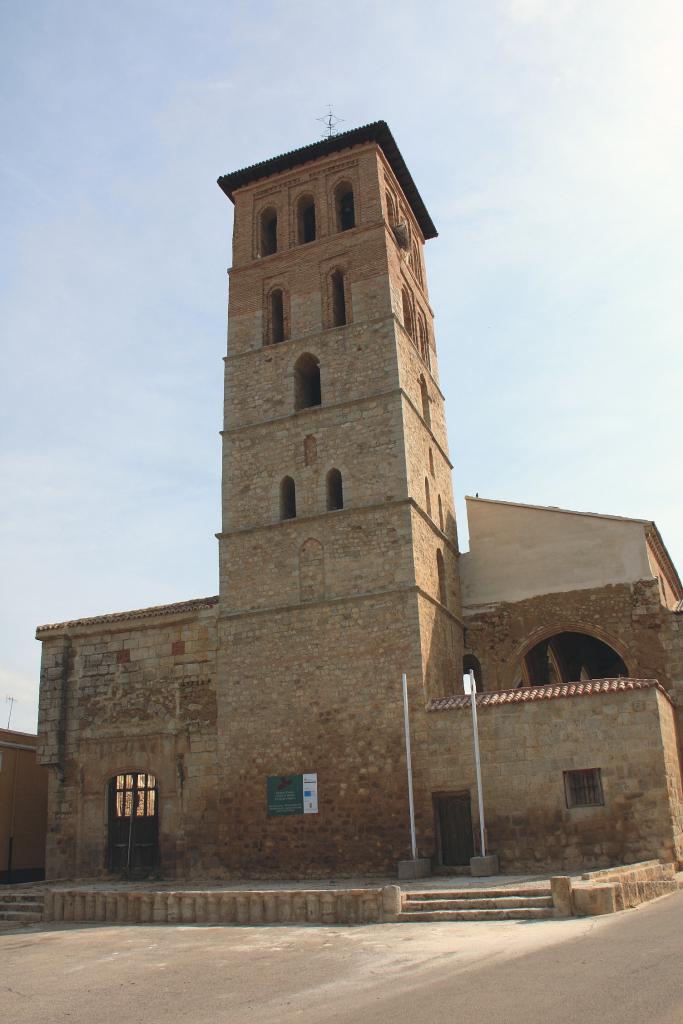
column 259, row 732
column 23, row 808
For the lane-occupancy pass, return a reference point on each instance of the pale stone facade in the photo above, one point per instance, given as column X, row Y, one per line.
column 339, row 571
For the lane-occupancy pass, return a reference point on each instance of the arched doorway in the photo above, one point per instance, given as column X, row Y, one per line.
column 569, row 657
column 133, row 803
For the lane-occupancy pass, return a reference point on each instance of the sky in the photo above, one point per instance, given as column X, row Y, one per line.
column 546, row 138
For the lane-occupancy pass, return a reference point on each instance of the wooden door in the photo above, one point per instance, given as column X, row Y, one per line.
column 133, row 823
column 454, row 827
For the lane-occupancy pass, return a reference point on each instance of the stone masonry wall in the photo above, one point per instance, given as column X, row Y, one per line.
column 130, row 695
column 526, row 748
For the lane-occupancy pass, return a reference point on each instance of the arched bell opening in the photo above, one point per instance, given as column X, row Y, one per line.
column 569, row 657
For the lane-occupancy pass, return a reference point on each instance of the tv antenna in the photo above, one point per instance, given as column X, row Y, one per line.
column 12, row 702
column 330, row 121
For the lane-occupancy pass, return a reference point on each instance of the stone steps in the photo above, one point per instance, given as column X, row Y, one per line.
column 17, row 907
column 514, row 914
column 477, row 905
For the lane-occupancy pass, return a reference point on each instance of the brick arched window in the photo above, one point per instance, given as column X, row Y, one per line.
column 423, row 338
column 275, row 317
column 335, row 490
column 305, row 220
column 441, row 573
column 287, row 498
column 428, row 500
column 431, row 462
column 268, row 232
column 415, row 261
column 391, row 208
column 307, row 382
column 424, row 395
column 440, row 514
column 407, row 308
column 338, row 298
column 344, row 206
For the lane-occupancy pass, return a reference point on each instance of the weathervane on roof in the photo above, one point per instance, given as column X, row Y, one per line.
column 330, row 121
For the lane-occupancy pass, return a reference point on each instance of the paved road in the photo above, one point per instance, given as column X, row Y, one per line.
column 625, row 969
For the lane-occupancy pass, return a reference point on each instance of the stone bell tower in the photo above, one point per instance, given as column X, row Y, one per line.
column 338, row 550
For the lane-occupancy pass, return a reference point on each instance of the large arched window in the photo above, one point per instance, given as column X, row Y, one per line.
column 335, row 490
column 287, row 498
column 305, row 220
column 338, row 298
column 306, row 382
column 268, row 232
column 569, row 658
column 276, row 317
column 344, row 207
column 441, row 573
column 408, row 320
column 424, row 395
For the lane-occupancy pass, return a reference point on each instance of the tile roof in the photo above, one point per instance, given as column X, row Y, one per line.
column 377, row 132
column 526, row 694
column 196, row 604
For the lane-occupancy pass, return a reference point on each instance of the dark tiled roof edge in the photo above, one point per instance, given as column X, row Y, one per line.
column 155, row 611
column 377, row 132
column 528, row 694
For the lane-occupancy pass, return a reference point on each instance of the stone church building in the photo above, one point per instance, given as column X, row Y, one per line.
column 179, row 738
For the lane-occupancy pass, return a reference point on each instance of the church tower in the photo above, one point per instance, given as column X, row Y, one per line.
column 338, row 550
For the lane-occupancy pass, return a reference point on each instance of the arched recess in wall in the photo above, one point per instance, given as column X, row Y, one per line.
column 470, row 663
column 441, row 576
column 424, row 398
column 310, row 450
column 428, row 499
column 311, row 570
column 305, row 220
column 568, row 656
column 334, row 490
column 441, row 522
column 287, row 498
column 276, row 326
column 407, row 311
column 423, row 339
column 391, row 208
column 267, row 243
column 344, row 206
column 133, row 822
column 307, row 392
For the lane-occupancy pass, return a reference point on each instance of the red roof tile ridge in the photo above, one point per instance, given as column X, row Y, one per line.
column 550, row 691
column 194, row 604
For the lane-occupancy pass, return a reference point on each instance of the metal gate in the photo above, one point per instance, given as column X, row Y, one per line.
column 133, row 823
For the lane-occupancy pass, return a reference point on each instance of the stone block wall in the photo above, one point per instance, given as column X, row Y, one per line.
column 525, row 749
column 133, row 694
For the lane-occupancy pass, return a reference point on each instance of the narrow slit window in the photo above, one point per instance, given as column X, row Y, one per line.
column 441, row 573
column 287, row 498
column 408, row 321
column 440, row 514
column 428, row 500
column 338, row 299
column 424, row 395
column 335, row 491
column 268, row 239
column 276, row 317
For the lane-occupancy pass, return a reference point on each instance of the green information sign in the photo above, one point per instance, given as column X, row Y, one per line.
column 285, row 794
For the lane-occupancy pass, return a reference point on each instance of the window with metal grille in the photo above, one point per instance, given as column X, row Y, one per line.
column 583, row 788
